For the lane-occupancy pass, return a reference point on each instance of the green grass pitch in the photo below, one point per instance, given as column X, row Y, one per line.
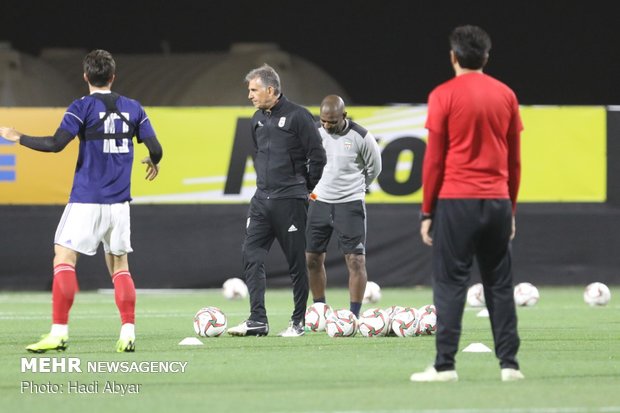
column 570, row 355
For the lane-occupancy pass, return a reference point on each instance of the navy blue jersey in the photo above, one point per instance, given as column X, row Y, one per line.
column 103, row 170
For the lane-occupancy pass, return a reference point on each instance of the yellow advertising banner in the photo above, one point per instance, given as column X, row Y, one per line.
column 207, row 155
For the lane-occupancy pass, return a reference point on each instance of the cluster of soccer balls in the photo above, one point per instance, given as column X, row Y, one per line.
column 377, row 322
column 374, row 322
column 527, row 295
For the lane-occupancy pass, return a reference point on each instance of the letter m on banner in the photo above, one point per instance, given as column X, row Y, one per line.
column 243, row 147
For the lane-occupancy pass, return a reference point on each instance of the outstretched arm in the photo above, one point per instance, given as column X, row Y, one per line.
column 9, row 134
column 54, row 143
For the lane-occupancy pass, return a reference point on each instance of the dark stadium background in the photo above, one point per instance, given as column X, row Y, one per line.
column 381, row 52
column 550, row 52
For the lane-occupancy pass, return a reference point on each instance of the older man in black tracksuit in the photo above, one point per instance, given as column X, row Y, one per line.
column 289, row 162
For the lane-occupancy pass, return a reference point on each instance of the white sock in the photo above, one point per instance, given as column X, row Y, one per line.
column 60, row 330
column 128, row 330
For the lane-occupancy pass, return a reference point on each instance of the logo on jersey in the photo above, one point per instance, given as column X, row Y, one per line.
column 347, row 145
column 260, row 123
column 282, row 121
column 292, row 228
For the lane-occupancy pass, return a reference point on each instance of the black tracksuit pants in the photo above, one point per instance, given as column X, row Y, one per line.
column 463, row 229
column 284, row 220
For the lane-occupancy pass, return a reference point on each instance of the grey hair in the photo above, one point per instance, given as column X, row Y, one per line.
column 267, row 75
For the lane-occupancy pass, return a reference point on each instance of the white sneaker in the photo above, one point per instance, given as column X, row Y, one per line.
column 430, row 374
column 249, row 328
column 512, row 375
column 293, row 330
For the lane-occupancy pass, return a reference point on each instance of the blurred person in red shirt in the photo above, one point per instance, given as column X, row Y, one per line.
column 471, row 177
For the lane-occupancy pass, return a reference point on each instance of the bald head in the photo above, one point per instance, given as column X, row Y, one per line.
column 333, row 114
column 332, row 103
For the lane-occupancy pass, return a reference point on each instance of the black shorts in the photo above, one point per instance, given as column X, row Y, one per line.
column 347, row 219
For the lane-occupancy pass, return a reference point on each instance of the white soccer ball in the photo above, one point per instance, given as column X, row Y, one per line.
column 234, row 289
column 405, row 323
column 428, row 308
column 341, row 323
column 316, row 316
column 374, row 322
column 394, row 309
column 427, row 324
column 597, row 294
column 475, row 296
column 526, row 295
column 210, row 322
column 372, row 293
column 391, row 311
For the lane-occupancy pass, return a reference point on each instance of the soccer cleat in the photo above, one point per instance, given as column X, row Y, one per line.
column 49, row 342
column 250, row 328
column 430, row 374
column 512, row 375
column 293, row 330
column 126, row 345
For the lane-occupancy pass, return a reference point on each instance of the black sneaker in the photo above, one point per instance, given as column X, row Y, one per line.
column 250, row 328
column 293, row 330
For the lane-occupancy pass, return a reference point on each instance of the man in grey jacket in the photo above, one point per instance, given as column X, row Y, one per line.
column 337, row 202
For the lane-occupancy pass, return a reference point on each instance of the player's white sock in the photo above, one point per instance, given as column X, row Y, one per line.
column 128, row 330
column 60, row 330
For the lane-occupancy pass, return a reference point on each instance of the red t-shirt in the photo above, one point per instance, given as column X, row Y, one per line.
column 473, row 144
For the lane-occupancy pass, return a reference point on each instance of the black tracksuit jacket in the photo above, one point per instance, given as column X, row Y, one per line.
column 289, row 155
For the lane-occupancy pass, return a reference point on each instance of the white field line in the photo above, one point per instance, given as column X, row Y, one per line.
column 589, row 409
column 156, row 291
column 114, row 315
column 215, row 179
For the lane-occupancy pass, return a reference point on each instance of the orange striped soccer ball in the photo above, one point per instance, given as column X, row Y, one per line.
column 341, row 323
column 210, row 322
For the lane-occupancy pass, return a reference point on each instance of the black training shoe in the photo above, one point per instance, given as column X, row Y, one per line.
column 250, row 328
column 293, row 330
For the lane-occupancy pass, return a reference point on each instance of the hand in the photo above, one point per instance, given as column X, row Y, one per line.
column 425, row 231
column 10, row 134
column 151, row 169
